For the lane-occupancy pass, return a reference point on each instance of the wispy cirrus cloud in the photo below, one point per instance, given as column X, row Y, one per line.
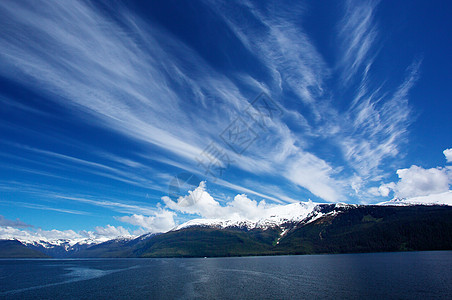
column 100, row 71
column 130, row 78
column 59, row 200
column 119, row 170
column 123, row 77
column 295, row 65
column 358, row 34
column 283, row 48
column 49, row 208
column 115, row 206
column 371, row 130
column 379, row 126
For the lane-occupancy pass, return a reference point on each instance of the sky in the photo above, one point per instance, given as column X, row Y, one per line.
column 120, row 118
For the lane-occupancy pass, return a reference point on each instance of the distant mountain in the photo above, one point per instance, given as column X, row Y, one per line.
column 15, row 249
column 435, row 199
column 61, row 248
column 299, row 228
column 121, row 247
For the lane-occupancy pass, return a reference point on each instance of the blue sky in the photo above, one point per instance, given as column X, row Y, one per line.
column 104, row 104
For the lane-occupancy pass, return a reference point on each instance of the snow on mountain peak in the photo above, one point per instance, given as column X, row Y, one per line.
column 434, row 199
column 274, row 216
column 55, row 238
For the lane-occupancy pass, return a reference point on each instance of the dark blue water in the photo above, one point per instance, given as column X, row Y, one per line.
column 409, row 275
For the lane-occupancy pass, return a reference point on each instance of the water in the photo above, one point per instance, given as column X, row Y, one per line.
column 409, row 275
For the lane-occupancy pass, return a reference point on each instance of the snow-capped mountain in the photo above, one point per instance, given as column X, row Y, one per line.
column 435, row 199
column 278, row 216
column 286, row 219
column 57, row 241
column 64, row 243
column 63, row 247
column 299, row 228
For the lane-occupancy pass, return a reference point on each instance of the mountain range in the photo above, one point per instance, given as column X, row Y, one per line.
column 298, row 228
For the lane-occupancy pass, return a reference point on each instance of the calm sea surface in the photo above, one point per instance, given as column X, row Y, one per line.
column 408, row 275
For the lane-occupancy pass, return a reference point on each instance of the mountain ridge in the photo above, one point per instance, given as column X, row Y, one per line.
column 304, row 228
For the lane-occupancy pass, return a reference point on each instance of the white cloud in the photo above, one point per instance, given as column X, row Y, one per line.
column 124, row 75
column 417, row 181
column 448, row 154
column 374, row 191
column 377, row 126
column 358, row 34
column 385, row 189
column 283, row 47
column 121, row 82
column 262, row 187
column 200, row 202
column 314, row 174
column 116, row 206
column 161, row 221
column 111, row 232
column 104, row 72
column 374, row 127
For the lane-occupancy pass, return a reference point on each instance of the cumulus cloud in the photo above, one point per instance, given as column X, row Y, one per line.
column 448, row 154
column 417, row 181
column 12, row 223
column 200, row 202
column 385, row 189
column 162, row 221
